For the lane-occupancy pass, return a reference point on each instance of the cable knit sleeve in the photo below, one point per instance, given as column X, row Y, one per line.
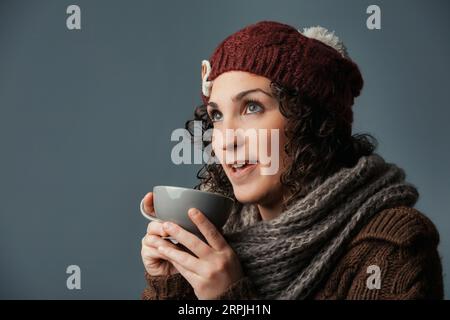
column 240, row 290
column 404, row 273
column 176, row 287
column 401, row 245
column 171, row 287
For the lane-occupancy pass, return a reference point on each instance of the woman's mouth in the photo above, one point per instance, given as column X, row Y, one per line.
column 239, row 170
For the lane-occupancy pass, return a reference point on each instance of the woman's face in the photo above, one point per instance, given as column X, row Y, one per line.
column 242, row 100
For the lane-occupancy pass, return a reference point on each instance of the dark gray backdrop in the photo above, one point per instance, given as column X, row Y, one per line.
column 86, row 118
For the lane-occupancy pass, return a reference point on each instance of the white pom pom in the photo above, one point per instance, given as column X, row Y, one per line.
column 206, row 84
column 329, row 38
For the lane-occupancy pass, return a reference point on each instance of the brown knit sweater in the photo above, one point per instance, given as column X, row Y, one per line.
column 402, row 242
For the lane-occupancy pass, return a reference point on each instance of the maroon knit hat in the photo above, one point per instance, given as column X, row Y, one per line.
column 321, row 72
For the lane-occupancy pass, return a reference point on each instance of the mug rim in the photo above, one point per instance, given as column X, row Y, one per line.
column 196, row 190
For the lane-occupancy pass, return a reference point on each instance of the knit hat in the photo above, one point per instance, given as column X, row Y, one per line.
column 314, row 62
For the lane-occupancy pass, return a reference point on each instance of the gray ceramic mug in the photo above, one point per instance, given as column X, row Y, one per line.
column 173, row 203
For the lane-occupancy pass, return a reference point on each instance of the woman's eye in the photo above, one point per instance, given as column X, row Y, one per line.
column 215, row 116
column 253, row 107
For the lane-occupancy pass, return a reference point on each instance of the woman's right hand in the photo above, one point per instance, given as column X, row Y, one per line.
column 154, row 262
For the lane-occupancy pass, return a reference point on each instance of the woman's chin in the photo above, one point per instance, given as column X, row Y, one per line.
column 248, row 193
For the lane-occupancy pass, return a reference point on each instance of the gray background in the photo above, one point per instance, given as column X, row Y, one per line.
column 86, row 118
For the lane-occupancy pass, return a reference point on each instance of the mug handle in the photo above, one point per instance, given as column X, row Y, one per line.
column 151, row 218
column 146, row 215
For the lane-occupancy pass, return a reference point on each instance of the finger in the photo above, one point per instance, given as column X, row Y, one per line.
column 187, row 239
column 148, row 204
column 156, row 241
column 208, row 230
column 184, row 259
column 156, row 228
column 190, row 276
column 149, row 253
column 154, row 260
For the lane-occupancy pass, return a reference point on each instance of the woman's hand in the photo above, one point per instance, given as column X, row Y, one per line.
column 214, row 265
column 154, row 262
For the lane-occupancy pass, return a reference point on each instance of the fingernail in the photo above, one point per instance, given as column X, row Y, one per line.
column 193, row 212
column 167, row 225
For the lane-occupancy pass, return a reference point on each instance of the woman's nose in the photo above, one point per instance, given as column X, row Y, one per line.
column 230, row 142
column 232, row 137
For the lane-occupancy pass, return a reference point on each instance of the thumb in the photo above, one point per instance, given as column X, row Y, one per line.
column 148, row 204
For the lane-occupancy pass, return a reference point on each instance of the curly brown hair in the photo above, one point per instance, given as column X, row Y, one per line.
column 319, row 142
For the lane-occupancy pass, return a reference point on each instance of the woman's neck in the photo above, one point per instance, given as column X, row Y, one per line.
column 269, row 212
column 274, row 204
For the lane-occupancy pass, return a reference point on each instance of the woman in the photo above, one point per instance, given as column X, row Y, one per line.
column 334, row 222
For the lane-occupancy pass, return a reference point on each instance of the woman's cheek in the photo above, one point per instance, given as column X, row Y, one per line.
column 217, row 143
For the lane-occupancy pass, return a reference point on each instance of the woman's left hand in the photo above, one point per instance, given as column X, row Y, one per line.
column 215, row 265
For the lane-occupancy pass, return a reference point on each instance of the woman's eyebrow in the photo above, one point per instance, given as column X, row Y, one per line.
column 242, row 94
column 239, row 96
column 213, row 105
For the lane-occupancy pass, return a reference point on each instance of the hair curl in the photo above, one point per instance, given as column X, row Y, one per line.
column 319, row 142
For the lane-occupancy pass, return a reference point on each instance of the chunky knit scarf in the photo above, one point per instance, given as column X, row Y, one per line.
column 288, row 256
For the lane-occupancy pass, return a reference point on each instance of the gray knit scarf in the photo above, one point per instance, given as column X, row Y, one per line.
column 286, row 257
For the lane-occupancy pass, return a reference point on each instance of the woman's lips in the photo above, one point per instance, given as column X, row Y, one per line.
column 239, row 173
